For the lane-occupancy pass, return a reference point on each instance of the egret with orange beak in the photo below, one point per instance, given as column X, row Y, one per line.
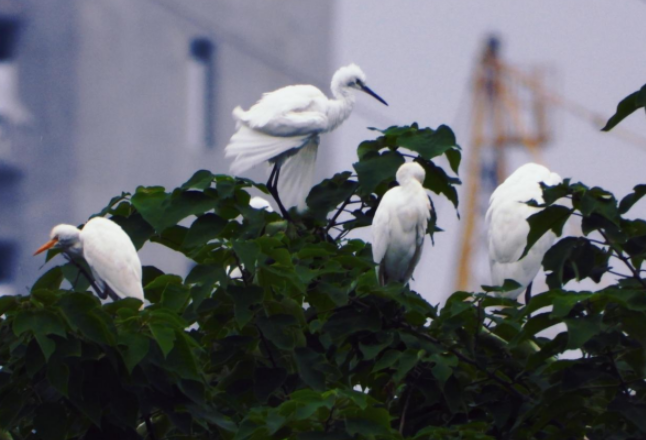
column 109, row 252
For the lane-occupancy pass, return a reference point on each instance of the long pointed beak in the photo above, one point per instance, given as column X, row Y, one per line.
column 366, row 89
column 50, row 244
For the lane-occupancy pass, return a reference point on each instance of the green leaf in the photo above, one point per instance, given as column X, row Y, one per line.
column 202, row 179
column 138, row 229
column 39, row 322
column 427, row 142
column 551, row 218
column 626, row 107
column 581, row 330
column 50, row 280
column 440, row 183
column 312, row 367
column 164, row 335
column 205, row 228
column 375, row 168
column 181, row 359
column 83, row 312
column 631, row 410
column 244, row 299
column 135, row 348
column 627, row 202
column 58, row 376
column 367, row 422
column 51, row 421
column 164, row 210
column 325, row 196
column 268, row 380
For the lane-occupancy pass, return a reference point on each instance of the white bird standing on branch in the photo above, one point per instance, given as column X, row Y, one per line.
column 507, row 228
column 399, row 225
column 108, row 251
column 283, row 128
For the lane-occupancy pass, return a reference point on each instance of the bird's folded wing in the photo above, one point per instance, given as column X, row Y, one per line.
column 297, row 176
column 115, row 262
column 290, row 111
column 249, row 148
column 381, row 230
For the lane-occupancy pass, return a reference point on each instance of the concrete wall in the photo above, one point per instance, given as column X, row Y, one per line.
column 107, row 83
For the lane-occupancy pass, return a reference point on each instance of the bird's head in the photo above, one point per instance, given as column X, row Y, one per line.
column 65, row 237
column 352, row 77
column 410, row 171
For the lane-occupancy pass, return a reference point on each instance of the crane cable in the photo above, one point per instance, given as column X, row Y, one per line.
column 575, row 109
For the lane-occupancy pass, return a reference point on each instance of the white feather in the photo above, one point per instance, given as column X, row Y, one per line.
column 399, row 226
column 290, row 119
column 507, row 227
column 112, row 257
column 297, row 176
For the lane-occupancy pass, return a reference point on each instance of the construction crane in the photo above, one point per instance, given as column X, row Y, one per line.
column 507, row 113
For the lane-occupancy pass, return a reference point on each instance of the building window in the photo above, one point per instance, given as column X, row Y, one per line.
column 200, row 94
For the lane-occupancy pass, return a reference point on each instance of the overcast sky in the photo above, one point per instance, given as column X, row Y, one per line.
column 419, row 55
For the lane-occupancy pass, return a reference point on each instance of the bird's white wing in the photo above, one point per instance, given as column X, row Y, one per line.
column 381, row 226
column 112, row 256
column 297, row 176
column 250, row 148
column 290, row 111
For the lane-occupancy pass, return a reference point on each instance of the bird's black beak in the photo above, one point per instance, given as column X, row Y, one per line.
column 366, row 89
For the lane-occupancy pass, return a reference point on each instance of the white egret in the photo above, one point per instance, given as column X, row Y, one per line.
column 507, row 228
column 283, row 128
column 399, row 225
column 257, row 202
column 108, row 251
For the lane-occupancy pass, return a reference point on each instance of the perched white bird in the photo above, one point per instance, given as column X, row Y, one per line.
column 507, row 227
column 257, row 202
column 108, row 251
column 283, row 128
column 399, row 225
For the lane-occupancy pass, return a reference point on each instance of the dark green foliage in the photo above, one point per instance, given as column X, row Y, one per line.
column 626, row 107
column 305, row 344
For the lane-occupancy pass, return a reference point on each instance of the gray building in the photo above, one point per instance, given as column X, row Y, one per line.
column 121, row 93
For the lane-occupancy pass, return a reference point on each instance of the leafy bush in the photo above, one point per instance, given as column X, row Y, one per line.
column 305, row 344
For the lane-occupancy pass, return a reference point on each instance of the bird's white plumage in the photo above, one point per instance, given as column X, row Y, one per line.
column 399, row 225
column 112, row 257
column 283, row 127
column 507, row 227
column 108, row 251
column 257, row 202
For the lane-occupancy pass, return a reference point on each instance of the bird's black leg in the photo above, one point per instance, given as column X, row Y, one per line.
column 528, row 293
column 272, row 186
column 80, row 268
column 109, row 292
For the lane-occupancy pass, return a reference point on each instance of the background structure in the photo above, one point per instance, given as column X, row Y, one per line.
column 125, row 93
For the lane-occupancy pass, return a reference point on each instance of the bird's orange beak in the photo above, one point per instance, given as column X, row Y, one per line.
column 46, row 246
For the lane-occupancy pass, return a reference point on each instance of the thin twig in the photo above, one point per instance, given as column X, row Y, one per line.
column 619, row 254
column 337, row 214
column 149, row 427
column 623, row 275
column 508, row 385
column 402, row 422
column 271, row 356
column 624, row 387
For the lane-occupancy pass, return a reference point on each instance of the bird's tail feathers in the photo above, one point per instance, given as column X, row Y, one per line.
column 249, row 148
column 297, row 176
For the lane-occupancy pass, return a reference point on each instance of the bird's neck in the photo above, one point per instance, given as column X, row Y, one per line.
column 340, row 108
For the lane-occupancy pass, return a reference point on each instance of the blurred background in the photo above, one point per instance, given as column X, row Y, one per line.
column 99, row 97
